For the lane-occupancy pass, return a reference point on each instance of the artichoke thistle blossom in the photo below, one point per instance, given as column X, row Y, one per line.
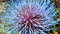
column 31, row 16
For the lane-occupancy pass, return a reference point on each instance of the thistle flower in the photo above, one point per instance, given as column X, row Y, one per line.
column 31, row 16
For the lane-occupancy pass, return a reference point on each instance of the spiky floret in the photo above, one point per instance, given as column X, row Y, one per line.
column 6, row 21
column 31, row 16
column 7, row 29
